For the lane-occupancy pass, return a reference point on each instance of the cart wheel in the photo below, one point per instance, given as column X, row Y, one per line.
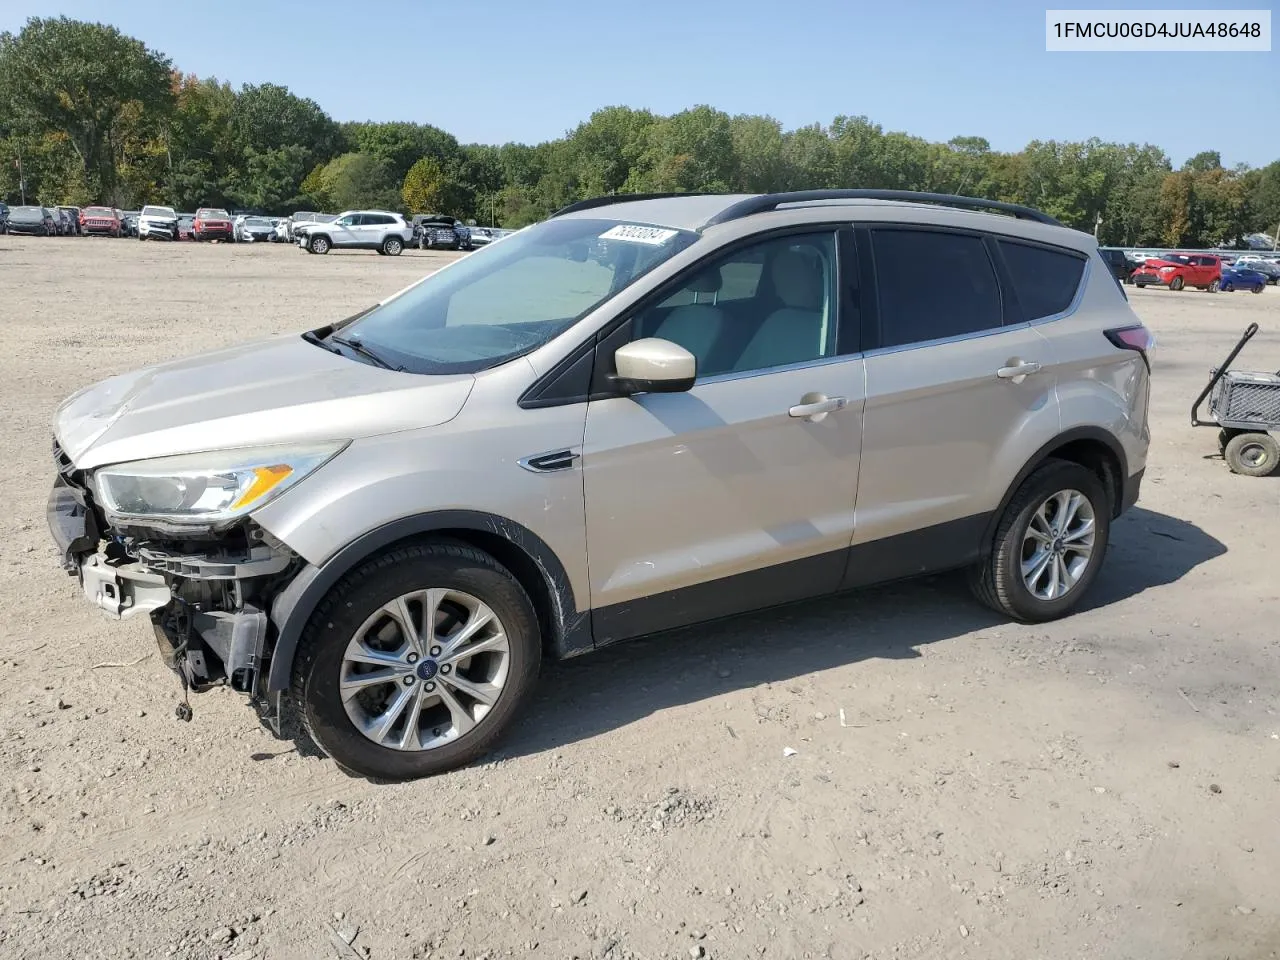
column 1252, row 454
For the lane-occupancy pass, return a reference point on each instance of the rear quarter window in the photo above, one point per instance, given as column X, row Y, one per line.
column 1044, row 280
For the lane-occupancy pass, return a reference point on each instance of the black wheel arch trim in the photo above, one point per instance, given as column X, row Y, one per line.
column 1119, row 485
column 292, row 608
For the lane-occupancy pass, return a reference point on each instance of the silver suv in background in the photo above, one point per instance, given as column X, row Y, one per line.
column 379, row 230
column 639, row 414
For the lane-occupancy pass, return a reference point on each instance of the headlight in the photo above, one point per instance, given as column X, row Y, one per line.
column 206, row 487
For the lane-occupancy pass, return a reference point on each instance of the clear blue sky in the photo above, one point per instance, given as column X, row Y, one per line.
column 491, row 71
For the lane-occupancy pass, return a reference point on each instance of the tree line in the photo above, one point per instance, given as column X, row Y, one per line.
column 91, row 115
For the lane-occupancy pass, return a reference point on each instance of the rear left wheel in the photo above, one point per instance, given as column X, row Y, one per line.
column 416, row 662
column 392, row 246
column 1049, row 544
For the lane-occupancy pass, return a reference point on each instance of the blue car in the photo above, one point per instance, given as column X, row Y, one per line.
column 1240, row 277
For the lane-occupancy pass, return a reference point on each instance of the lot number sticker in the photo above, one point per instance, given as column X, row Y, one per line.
column 655, row 236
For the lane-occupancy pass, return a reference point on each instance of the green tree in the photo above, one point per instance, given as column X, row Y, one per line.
column 81, row 80
column 400, row 144
column 357, row 180
column 423, row 186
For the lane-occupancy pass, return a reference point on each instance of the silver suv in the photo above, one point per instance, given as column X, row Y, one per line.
column 357, row 230
column 642, row 413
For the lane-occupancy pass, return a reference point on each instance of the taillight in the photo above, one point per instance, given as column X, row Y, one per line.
column 1136, row 337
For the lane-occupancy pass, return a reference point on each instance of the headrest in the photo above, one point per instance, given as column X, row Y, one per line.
column 708, row 281
column 797, row 279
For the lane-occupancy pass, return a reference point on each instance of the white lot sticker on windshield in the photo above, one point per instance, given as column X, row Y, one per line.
column 651, row 235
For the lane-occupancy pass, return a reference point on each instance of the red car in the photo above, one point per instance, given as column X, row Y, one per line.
column 103, row 220
column 213, row 224
column 1178, row 270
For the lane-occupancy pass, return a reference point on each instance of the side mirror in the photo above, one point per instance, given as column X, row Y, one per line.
column 653, row 365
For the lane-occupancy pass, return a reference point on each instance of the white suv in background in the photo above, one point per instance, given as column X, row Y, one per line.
column 161, row 222
column 380, row 230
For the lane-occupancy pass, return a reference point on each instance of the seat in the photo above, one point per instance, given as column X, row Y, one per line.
column 696, row 326
column 795, row 332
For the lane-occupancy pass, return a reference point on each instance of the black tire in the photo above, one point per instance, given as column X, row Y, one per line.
column 1252, row 454
column 318, row 245
column 997, row 581
column 1214, row 287
column 1258, row 288
column 1141, row 286
column 1227, row 287
column 392, row 246
column 1177, row 283
column 317, row 667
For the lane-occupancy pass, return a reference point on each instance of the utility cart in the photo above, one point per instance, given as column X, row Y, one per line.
column 1245, row 407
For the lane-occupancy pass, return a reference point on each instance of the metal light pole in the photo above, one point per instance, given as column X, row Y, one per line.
column 22, row 180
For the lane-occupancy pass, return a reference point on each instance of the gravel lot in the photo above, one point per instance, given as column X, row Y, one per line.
column 1106, row 786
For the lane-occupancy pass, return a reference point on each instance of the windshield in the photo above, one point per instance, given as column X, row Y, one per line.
column 256, row 222
column 99, row 212
column 212, row 214
column 1174, row 258
column 504, row 301
column 158, row 212
column 30, row 212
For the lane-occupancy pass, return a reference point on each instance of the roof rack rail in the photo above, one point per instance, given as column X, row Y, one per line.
column 613, row 198
column 771, row 201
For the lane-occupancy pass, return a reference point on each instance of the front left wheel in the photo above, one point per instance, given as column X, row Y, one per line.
column 1049, row 544
column 416, row 662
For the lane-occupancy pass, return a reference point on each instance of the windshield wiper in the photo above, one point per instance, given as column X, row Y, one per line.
column 355, row 345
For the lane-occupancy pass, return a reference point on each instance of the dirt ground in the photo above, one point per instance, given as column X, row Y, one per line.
column 1104, row 787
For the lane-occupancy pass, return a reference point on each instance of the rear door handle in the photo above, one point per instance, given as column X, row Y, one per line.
column 814, row 407
column 1017, row 370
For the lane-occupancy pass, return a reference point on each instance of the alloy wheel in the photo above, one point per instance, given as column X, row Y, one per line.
column 1057, row 547
column 424, row 669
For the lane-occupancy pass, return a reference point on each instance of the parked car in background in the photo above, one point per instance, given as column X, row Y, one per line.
column 73, row 219
column 480, row 236
column 157, row 223
column 129, row 222
column 252, row 229
column 1241, row 276
column 186, row 226
column 379, row 230
column 1268, row 268
column 436, row 231
column 211, row 223
column 100, row 221
column 1119, row 263
column 37, row 221
column 303, row 220
column 283, row 231
column 4, row 218
column 61, row 226
column 1178, row 270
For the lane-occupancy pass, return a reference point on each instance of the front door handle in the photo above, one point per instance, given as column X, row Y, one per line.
column 815, row 407
column 1017, row 370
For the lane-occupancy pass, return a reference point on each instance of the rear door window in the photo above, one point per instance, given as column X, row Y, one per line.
column 1045, row 280
column 932, row 285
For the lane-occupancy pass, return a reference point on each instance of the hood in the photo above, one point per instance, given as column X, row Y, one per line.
column 280, row 390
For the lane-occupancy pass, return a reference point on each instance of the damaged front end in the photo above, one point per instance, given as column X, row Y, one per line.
column 206, row 590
